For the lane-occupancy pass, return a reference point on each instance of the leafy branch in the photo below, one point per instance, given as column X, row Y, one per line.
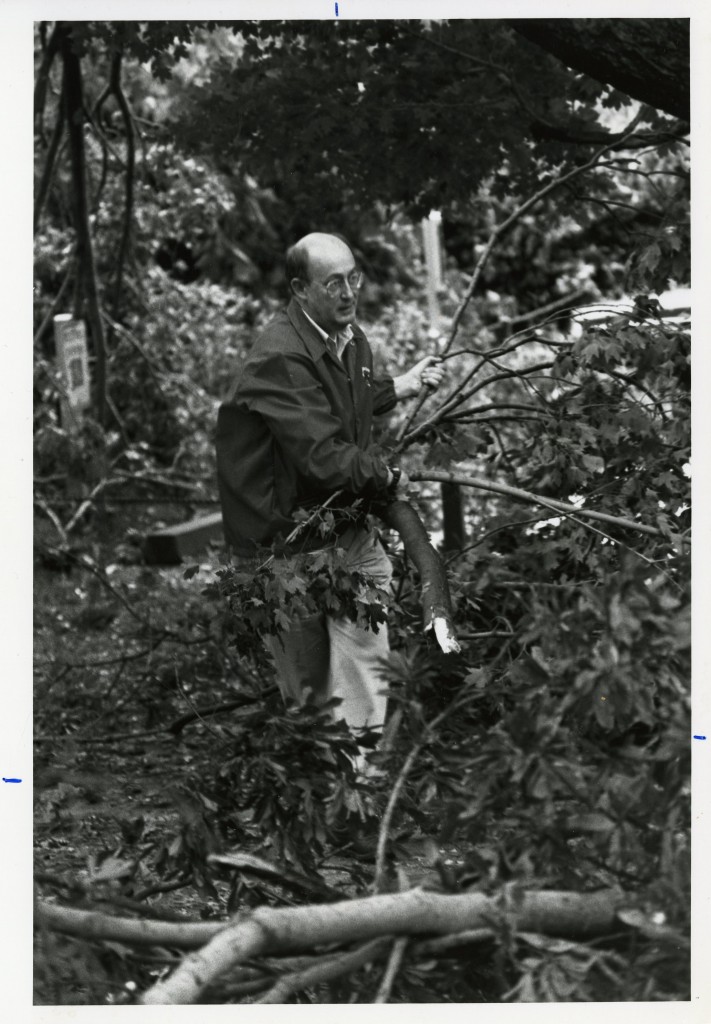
column 495, row 236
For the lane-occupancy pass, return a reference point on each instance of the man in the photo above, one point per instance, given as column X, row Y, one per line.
column 296, row 429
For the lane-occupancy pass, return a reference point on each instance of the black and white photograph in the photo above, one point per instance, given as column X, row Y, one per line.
column 361, row 485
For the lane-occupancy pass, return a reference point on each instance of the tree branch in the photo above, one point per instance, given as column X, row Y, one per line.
column 396, row 955
column 115, row 84
column 647, row 59
column 459, row 702
column 90, row 924
column 436, row 599
column 48, row 169
column 55, row 302
column 459, row 396
column 293, row 929
column 328, row 970
column 537, row 499
column 496, row 234
column 248, row 863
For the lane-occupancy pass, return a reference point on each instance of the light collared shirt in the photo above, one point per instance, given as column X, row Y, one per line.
column 339, row 341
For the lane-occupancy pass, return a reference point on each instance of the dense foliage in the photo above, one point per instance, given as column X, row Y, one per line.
column 554, row 750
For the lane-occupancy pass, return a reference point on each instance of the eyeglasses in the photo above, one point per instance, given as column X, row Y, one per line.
column 334, row 288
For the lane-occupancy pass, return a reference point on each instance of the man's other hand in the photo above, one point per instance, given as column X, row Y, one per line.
column 428, row 373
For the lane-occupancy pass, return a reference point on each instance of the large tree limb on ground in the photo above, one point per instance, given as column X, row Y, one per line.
column 268, row 931
column 537, row 499
column 92, row 924
column 436, row 599
column 415, row 912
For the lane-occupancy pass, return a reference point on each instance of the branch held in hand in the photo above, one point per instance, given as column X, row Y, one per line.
column 436, row 599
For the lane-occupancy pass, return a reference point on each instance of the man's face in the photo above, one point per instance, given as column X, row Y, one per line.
column 329, row 261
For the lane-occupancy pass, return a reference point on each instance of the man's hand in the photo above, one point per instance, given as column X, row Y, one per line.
column 428, row 373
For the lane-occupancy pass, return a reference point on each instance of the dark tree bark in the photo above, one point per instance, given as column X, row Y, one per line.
column 115, row 85
column 646, row 58
column 48, row 169
column 86, row 277
column 50, row 52
column 453, row 518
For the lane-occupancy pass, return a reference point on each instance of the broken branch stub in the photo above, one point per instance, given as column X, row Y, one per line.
column 436, row 599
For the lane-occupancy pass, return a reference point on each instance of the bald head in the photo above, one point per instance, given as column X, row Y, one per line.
column 317, row 247
column 322, row 274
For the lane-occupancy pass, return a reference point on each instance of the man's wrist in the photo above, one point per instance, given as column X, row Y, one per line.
column 403, row 387
column 394, row 473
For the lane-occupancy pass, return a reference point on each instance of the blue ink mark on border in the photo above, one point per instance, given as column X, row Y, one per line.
column 11, row 780
column 699, row 737
column 336, row 10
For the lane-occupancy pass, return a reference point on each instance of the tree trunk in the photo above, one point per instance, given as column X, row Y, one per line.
column 74, row 112
column 42, row 83
column 120, row 97
column 452, row 518
column 646, row 58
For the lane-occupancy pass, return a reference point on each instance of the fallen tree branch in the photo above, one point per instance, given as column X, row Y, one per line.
column 207, row 711
column 328, row 970
column 248, row 863
column 91, row 924
column 394, row 962
column 78, row 887
column 293, row 929
column 430, row 947
column 436, row 599
column 538, row 499
column 459, row 702
column 222, row 946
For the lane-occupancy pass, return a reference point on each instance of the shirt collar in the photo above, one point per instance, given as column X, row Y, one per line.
column 339, row 340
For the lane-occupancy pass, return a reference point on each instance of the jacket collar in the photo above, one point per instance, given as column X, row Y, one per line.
column 307, row 331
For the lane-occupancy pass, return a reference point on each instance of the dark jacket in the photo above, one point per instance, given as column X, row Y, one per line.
column 296, row 428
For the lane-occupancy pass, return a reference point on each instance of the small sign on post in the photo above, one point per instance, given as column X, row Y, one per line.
column 73, row 366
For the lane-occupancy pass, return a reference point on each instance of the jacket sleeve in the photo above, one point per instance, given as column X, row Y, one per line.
column 383, row 395
column 284, row 390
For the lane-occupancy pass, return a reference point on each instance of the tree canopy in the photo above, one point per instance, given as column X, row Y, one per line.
column 419, row 114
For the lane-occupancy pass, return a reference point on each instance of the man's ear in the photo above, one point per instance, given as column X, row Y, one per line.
column 298, row 287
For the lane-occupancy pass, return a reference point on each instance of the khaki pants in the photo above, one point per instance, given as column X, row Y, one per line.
column 336, row 657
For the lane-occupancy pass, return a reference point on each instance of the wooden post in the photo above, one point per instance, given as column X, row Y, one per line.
column 433, row 264
column 452, row 500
